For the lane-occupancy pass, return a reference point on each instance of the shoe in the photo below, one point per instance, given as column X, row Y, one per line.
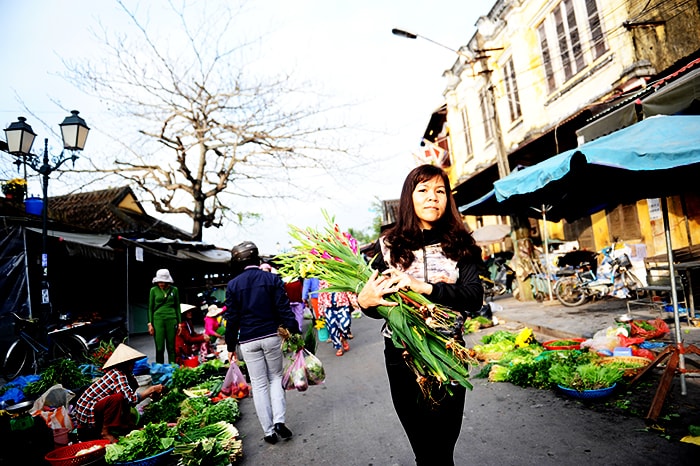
column 339, row 352
column 346, row 345
column 283, row 431
column 350, row 336
column 272, row 438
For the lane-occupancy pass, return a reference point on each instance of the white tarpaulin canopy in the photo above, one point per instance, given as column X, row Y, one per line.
column 489, row 234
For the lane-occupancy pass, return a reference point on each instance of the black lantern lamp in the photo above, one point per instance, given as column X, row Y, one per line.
column 74, row 131
column 20, row 138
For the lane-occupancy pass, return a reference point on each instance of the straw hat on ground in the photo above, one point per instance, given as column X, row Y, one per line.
column 163, row 275
column 214, row 311
column 122, row 354
column 186, row 307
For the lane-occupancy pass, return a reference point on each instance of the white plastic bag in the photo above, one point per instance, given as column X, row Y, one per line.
column 52, row 405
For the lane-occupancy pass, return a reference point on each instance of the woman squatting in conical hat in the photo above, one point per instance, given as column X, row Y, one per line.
column 104, row 408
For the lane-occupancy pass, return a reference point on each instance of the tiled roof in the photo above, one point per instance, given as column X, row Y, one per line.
column 113, row 211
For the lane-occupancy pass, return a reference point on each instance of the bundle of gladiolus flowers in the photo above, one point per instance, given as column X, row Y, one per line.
column 428, row 332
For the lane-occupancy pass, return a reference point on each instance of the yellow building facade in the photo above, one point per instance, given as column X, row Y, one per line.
column 541, row 76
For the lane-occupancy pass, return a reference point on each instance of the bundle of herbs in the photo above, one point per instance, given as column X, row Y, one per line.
column 187, row 377
column 200, row 411
column 216, row 444
column 63, row 371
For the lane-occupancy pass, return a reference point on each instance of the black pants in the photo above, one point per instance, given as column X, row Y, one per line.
column 432, row 426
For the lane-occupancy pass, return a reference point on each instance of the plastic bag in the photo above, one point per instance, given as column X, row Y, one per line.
column 295, row 374
column 315, row 374
column 660, row 328
column 52, row 405
column 605, row 339
column 235, row 384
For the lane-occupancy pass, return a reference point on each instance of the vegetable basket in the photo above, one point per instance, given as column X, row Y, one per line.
column 588, row 394
column 636, row 363
column 155, row 460
column 552, row 344
column 66, row 456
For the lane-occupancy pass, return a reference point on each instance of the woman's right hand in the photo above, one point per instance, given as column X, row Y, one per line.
column 372, row 294
column 150, row 329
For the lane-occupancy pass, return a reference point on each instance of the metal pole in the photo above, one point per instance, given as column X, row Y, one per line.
column 45, row 298
column 546, row 251
column 674, row 295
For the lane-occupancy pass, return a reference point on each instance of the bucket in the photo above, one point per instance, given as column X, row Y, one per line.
column 192, row 361
column 322, row 334
column 33, row 205
column 60, row 436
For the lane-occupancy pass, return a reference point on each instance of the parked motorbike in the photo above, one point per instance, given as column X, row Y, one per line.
column 501, row 283
column 612, row 279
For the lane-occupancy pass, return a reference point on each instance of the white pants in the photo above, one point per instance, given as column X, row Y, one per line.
column 264, row 360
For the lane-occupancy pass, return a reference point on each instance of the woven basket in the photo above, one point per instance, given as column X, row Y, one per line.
column 633, row 360
column 155, row 460
column 65, row 456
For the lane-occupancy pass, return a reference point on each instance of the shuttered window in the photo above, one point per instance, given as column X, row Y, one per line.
column 512, row 91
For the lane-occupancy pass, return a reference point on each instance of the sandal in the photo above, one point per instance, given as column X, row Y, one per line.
column 350, row 337
column 346, row 345
column 339, row 352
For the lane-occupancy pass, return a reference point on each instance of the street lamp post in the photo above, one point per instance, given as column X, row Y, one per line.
column 20, row 138
column 501, row 156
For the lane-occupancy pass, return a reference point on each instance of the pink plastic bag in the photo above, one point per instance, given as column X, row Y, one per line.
column 295, row 374
column 234, row 383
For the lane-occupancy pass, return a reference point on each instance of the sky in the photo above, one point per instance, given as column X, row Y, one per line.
column 345, row 46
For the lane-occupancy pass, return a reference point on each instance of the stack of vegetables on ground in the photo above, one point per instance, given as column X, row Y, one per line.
column 203, row 431
column 426, row 330
column 521, row 360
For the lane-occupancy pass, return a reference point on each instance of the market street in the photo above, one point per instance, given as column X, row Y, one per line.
column 349, row 420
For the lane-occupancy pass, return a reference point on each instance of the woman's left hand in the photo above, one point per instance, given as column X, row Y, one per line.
column 372, row 294
column 406, row 282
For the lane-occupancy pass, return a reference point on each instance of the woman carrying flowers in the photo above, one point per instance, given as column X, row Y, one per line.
column 428, row 251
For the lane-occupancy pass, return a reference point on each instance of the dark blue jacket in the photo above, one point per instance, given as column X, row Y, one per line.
column 256, row 305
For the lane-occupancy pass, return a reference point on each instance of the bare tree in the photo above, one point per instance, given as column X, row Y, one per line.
column 223, row 134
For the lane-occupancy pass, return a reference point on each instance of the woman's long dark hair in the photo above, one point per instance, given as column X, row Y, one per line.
column 406, row 235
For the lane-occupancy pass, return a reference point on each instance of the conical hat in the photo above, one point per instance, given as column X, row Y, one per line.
column 123, row 353
column 186, row 307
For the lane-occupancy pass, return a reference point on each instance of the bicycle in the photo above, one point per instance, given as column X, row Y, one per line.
column 28, row 354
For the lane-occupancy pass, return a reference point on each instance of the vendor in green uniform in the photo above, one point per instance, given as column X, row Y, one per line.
column 164, row 315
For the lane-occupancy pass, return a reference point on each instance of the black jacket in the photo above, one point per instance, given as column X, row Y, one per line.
column 256, row 306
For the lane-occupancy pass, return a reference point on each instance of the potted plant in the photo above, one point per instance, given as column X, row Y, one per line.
column 15, row 188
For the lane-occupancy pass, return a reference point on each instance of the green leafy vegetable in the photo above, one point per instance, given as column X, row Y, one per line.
column 584, row 377
column 140, row 444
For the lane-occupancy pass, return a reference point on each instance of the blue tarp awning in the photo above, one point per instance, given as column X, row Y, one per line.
column 657, row 157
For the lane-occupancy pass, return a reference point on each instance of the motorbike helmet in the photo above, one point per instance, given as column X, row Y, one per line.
column 246, row 251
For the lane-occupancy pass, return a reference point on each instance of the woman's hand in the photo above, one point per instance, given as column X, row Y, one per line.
column 406, row 282
column 372, row 294
column 150, row 329
column 153, row 390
